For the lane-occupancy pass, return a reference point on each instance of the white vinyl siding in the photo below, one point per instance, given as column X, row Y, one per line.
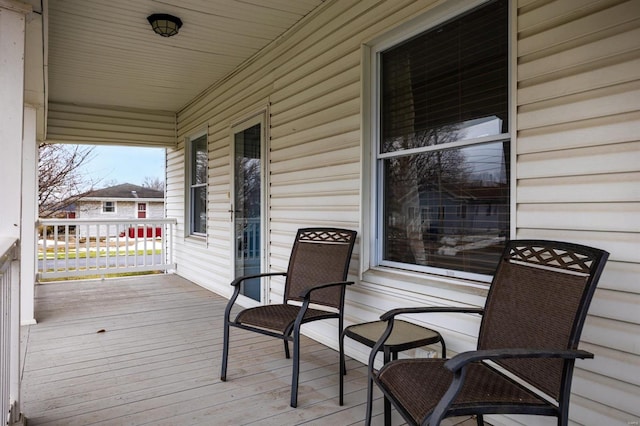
column 578, row 163
column 577, row 170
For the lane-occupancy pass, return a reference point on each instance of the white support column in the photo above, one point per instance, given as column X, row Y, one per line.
column 12, row 48
column 12, row 41
column 29, row 216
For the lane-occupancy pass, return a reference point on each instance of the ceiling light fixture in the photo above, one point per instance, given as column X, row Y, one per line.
column 164, row 24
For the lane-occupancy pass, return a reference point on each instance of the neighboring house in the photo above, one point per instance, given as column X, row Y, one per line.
column 345, row 116
column 124, row 201
column 67, row 212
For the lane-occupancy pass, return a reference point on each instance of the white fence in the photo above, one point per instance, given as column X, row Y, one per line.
column 9, row 330
column 77, row 247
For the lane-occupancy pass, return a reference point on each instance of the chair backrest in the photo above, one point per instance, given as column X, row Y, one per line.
column 319, row 255
column 539, row 298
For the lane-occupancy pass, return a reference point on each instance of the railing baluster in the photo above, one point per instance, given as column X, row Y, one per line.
column 87, row 244
column 66, row 247
column 117, row 256
column 55, row 248
column 127, row 237
column 9, row 329
column 44, row 250
column 79, row 232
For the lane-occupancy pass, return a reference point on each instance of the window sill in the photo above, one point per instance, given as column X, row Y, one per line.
column 411, row 283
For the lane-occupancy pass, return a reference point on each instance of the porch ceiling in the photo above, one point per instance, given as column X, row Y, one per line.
column 105, row 54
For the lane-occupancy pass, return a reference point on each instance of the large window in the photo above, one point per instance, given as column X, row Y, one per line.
column 443, row 151
column 197, row 190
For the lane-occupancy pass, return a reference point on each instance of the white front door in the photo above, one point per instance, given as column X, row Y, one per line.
column 248, row 204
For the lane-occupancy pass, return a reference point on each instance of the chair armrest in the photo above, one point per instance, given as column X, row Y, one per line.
column 429, row 309
column 236, row 290
column 238, row 280
column 306, row 293
column 464, row 358
column 458, row 363
column 306, row 296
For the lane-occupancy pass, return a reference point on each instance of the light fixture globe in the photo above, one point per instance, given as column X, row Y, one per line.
column 164, row 24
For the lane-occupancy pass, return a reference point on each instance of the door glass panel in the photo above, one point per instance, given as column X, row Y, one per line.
column 247, row 202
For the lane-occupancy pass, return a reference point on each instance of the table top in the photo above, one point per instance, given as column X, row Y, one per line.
column 405, row 335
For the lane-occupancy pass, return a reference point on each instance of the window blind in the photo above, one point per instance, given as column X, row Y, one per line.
column 449, row 75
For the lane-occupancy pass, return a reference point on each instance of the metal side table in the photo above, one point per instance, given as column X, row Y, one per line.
column 404, row 336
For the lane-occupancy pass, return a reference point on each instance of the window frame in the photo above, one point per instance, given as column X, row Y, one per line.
column 189, row 186
column 373, row 159
column 114, row 205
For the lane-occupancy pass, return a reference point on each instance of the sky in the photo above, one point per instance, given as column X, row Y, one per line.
column 117, row 164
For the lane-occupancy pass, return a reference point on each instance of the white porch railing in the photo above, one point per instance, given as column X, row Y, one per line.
column 9, row 330
column 248, row 248
column 81, row 247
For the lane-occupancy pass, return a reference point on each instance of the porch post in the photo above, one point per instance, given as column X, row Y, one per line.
column 29, row 216
column 12, row 46
column 12, row 41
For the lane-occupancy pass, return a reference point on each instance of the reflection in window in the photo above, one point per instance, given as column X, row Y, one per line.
column 444, row 147
column 198, row 159
column 248, row 205
column 463, row 194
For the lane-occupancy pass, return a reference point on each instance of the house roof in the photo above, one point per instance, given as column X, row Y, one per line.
column 125, row 190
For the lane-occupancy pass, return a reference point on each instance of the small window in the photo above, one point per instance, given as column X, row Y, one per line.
column 443, row 145
column 197, row 185
column 108, row 207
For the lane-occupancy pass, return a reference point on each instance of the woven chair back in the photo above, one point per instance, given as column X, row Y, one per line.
column 539, row 299
column 320, row 255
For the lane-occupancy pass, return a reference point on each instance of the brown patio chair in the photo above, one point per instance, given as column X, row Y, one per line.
column 316, row 275
column 531, row 326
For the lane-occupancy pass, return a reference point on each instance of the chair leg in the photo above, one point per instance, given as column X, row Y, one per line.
column 225, row 352
column 480, row 420
column 295, row 367
column 343, row 368
column 367, row 421
column 563, row 418
column 286, row 349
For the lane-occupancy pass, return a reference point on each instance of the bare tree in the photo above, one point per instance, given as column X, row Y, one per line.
column 153, row 183
column 109, row 183
column 60, row 180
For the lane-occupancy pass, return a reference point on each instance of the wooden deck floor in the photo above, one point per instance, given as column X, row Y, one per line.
column 146, row 350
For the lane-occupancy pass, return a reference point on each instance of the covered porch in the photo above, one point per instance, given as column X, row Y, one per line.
column 80, row 71
column 146, row 350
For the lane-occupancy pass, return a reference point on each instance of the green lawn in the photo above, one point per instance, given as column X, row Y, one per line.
column 97, row 253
